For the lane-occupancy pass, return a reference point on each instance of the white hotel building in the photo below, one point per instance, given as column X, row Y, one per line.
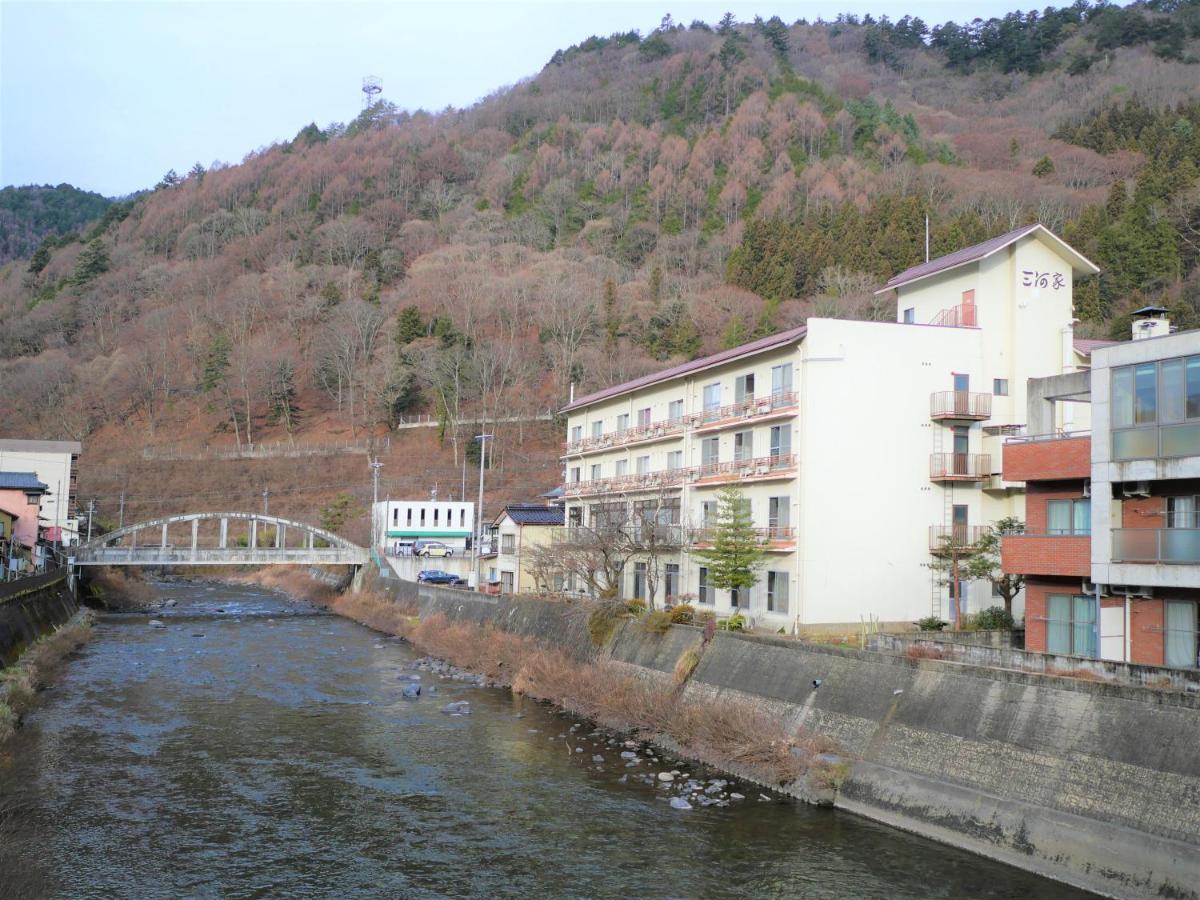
column 859, row 445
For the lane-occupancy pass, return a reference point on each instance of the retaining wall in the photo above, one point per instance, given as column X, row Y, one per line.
column 31, row 607
column 1093, row 784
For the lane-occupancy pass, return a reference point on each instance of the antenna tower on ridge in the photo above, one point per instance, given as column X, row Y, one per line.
column 372, row 87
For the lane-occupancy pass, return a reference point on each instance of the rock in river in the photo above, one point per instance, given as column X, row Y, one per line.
column 680, row 803
column 457, row 708
column 410, row 691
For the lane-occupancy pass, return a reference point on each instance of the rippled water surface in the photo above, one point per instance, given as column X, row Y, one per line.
column 255, row 747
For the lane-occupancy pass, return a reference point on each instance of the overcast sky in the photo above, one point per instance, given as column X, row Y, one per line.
column 110, row 95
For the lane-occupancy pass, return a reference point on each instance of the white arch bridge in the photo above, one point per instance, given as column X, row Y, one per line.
column 220, row 539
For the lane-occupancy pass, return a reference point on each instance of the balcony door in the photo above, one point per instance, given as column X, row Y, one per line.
column 962, row 444
column 962, row 394
column 959, row 524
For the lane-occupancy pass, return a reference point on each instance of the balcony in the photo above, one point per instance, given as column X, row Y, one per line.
column 960, row 467
column 639, row 435
column 960, row 405
column 1156, row 546
column 665, row 479
column 1048, row 457
column 776, row 538
column 762, row 468
column 944, row 538
column 1047, row 554
column 961, row 316
column 781, row 403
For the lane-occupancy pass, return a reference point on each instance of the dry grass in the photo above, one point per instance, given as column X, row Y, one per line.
column 1081, row 674
column 119, row 589
column 920, row 651
column 685, row 666
column 20, row 682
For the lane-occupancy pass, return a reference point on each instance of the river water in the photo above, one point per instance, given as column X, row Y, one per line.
column 257, row 747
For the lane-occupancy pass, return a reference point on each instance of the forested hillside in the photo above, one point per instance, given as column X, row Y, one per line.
column 32, row 214
column 639, row 200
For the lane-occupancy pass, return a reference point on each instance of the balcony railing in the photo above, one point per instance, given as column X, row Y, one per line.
column 945, row 538
column 770, row 535
column 759, row 467
column 960, row 405
column 646, row 481
column 961, row 316
column 748, row 408
column 628, row 435
column 1156, row 545
column 960, row 466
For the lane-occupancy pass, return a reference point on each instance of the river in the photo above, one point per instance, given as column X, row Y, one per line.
column 258, row 747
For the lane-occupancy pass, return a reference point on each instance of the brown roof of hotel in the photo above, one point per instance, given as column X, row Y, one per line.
column 1087, row 345
column 978, row 252
column 696, row 365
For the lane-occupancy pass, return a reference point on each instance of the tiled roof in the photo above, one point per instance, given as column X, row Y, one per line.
column 532, row 514
column 1087, row 345
column 7, row 444
column 696, row 365
column 21, row 481
column 978, row 252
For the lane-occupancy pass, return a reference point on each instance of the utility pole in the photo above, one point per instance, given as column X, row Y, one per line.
column 266, row 495
column 483, row 439
column 376, row 465
column 91, row 513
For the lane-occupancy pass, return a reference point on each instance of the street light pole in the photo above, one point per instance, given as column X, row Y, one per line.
column 483, row 439
column 376, row 465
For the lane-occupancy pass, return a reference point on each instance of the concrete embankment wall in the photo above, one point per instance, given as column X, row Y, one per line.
column 30, row 608
column 1094, row 784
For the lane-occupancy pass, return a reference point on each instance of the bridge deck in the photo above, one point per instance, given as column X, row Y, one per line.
column 202, row 556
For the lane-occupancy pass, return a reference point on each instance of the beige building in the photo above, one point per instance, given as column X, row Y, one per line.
column 521, row 528
column 860, row 446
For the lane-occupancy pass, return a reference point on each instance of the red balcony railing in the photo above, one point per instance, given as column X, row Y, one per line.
column 759, row 467
column 627, row 436
column 745, row 409
column 961, row 316
column 771, row 535
column 646, row 481
column 960, row 466
column 960, row 405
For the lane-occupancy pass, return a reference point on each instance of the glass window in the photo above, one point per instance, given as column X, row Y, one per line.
column 743, row 445
column 643, row 417
column 962, row 382
column 1122, row 397
column 1068, row 516
column 508, row 543
column 781, row 440
column 675, row 410
column 575, row 516
column 1182, row 512
column 704, row 590
column 777, row 592
column 639, row 580
column 1193, row 387
column 1180, row 644
column 708, row 513
column 743, row 388
column 1071, row 625
column 643, row 465
column 674, row 460
column 623, row 422
column 595, row 471
column 778, row 512
column 1172, row 391
column 1000, row 387
column 671, row 581
column 1145, row 394
column 597, row 428
column 712, row 396
column 409, row 516
column 506, row 582
column 621, row 467
column 710, row 451
column 575, row 473
column 910, row 315
column 576, row 433
column 739, row 598
column 781, row 379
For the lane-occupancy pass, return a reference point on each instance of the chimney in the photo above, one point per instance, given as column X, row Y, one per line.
column 1150, row 321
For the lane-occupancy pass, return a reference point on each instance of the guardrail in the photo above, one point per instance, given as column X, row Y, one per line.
column 960, row 466
column 960, row 405
column 1169, row 546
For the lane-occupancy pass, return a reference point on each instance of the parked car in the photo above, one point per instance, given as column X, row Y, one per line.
column 437, row 576
column 432, row 548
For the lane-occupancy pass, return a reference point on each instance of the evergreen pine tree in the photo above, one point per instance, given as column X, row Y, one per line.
column 612, row 319
column 216, row 362
column 736, row 554
column 409, row 326
column 91, row 262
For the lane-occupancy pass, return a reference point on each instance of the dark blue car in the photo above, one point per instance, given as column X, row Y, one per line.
column 437, row 576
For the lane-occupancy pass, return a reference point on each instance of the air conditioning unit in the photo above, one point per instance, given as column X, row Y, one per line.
column 1136, row 489
column 763, row 470
column 693, row 475
column 1089, row 588
column 764, row 408
column 1141, row 592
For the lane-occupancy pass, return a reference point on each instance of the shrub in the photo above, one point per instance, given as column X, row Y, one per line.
column 637, row 606
column 656, row 621
column 736, row 622
column 686, row 665
column 920, row 651
column 602, row 621
column 993, row 618
column 931, row 623
column 682, row 614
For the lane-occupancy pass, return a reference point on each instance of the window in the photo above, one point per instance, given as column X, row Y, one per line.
column 743, row 445
column 596, row 472
column 781, row 383
column 675, row 410
column 409, row 517
column 643, row 465
column 739, row 598
column 1165, row 394
column 710, row 451
column 422, row 518
column 622, row 422
column 1069, row 517
column 781, row 440
column 777, row 592
column 708, row 513
column 778, row 512
column 597, row 428
column 671, row 580
column 395, row 516
column 743, row 388
column 506, row 582
column 621, row 467
column 1000, row 387
column 575, row 516
column 704, row 591
column 576, row 434
column 1183, row 512
column 910, row 315
column 961, row 382
column 575, row 473
column 436, row 513
column 712, row 397
column 1180, row 642
column 674, row 460
column 639, row 581
column 462, row 518
column 643, row 418
column 1071, row 625
column 508, row 543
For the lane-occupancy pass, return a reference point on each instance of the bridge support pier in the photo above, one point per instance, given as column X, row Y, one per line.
column 164, row 534
column 356, row 580
column 254, row 534
column 224, row 534
column 195, row 536
column 280, row 537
